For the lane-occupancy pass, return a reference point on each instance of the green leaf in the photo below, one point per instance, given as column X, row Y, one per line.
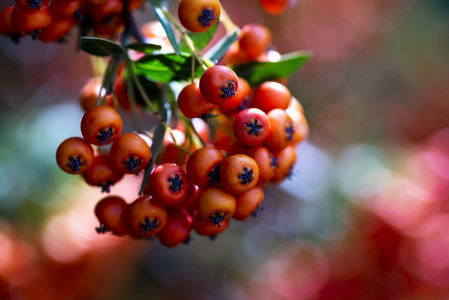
column 100, row 47
column 219, row 49
column 165, row 24
column 258, row 72
column 144, row 48
column 167, row 67
column 200, row 40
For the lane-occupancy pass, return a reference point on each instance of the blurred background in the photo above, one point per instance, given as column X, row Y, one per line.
column 364, row 217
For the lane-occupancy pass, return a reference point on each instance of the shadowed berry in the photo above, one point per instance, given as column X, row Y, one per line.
column 257, row 211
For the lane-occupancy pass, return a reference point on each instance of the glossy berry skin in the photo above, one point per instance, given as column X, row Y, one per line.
column 90, row 92
column 286, row 159
column 215, row 205
column 239, row 173
column 207, row 228
column 104, row 10
column 176, row 230
column 64, row 9
column 172, row 154
column 130, row 153
column 101, row 125
column 27, row 20
column 198, row 16
column 251, row 127
column 145, row 217
column 121, row 93
column 300, row 123
column 266, row 162
column 101, row 173
column 203, row 166
column 6, row 27
column 56, row 31
column 168, row 184
column 109, row 27
column 254, row 40
column 283, row 130
column 111, row 213
column 189, row 203
column 270, row 95
column 274, row 7
column 218, row 84
column 74, row 155
column 295, row 105
column 248, row 203
column 96, row 2
column 239, row 101
column 191, row 103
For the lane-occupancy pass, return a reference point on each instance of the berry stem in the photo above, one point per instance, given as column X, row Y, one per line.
column 147, row 101
column 204, row 62
column 226, row 21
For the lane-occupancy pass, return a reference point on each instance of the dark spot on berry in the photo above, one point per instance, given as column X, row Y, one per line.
column 105, row 135
column 290, row 131
column 35, row 35
column 77, row 15
column 246, row 176
column 214, row 175
column 257, row 211
column 206, row 17
column 106, row 187
column 175, row 183
column 274, row 161
column 107, row 20
column 290, row 174
column 148, row 225
column 62, row 40
column 35, row 4
column 217, row 218
column 254, row 128
column 228, row 90
column 101, row 229
column 132, row 163
column 75, row 164
column 206, row 116
column 187, row 240
column 15, row 38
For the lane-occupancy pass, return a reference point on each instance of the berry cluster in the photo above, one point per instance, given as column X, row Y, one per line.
column 219, row 139
column 52, row 21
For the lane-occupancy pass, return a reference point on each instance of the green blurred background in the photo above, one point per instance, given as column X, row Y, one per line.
column 365, row 217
